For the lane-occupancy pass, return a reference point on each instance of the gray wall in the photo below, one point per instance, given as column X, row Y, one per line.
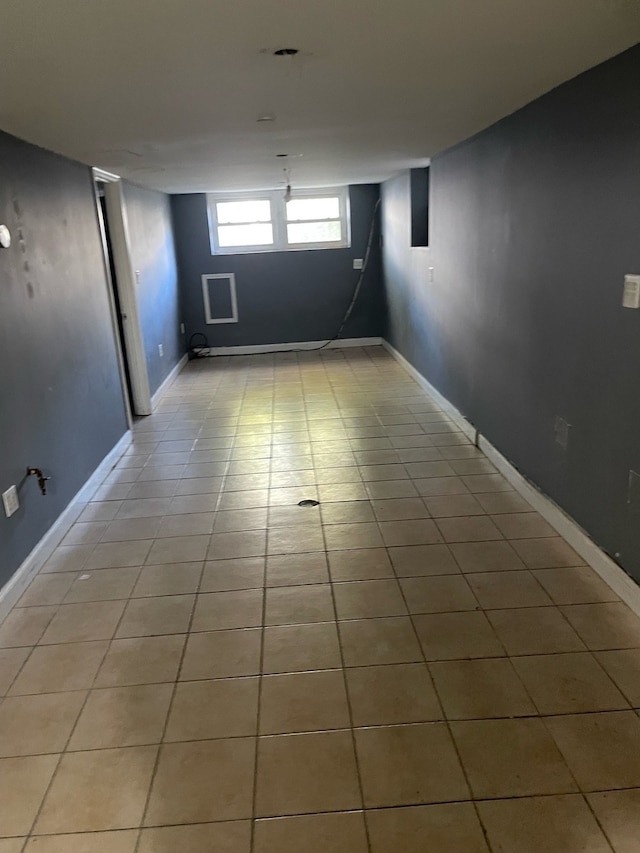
column 153, row 255
column 61, row 405
column 534, row 223
column 283, row 297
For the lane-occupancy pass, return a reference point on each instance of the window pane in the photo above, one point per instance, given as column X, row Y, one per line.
column 314, row 232
column 245, row 235
column 313, row 208
column 243, row 211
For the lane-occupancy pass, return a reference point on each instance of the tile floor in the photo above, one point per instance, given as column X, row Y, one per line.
column 419, row 663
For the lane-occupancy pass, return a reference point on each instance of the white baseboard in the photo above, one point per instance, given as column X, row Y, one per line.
column 610, row 572
column 155, row 399
column 18, row 582
column 300, row 345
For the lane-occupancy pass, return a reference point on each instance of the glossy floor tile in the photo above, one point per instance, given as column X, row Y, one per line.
column 418, row 663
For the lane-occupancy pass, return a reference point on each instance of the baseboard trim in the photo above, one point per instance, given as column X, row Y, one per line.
column 18, row 582
column 179, row 367
column 610, row 572
column 299, row 345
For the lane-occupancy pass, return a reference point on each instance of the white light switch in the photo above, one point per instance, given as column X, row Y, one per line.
column 631, row 293
column 10, row 501
column 357, row 263
column 160, row 350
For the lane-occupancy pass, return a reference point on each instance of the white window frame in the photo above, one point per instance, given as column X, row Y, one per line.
column 279, row 221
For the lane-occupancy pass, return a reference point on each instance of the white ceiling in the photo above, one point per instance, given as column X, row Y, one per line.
column 167, row 92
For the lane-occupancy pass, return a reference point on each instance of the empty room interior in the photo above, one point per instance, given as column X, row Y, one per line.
column 320, row 426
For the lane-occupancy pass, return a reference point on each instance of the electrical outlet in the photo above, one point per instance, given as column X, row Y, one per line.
column 161, row 349
column 357, row 263
column 431, row 274
column 182, row 328
column 10, row 501
column 561, row 430
column 631, row 293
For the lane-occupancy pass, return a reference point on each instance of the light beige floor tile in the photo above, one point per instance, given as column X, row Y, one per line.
column 25, row 626
column 438, row 594
column 511, row 758
column 472, row 528
column 178, row 549
column 336, row 832
column 366, row 564
column 535, row 631
column 70, row 666
column 499, row 502
column 47, row 589
column 220, row 654
column 221, row 708
column 449, row 636
column 448, row 506
column 549, row 553
column 146, row 617
column 191, row 524
column 98, row 790
column 419, row 470
column 11, row 661
column 568, row 683
column 387, row 695
column 303, row 702
column 169, row 579
column 289, row 605
column 236, row 609
column 347, row 512
column 34, row 725
column 421, row 531
column 623, row 666
column 293, row 516
column 112, row 555
column 74, row 623
column 241, row 519
column 122, row 716
column 405, row 765
column 605, row 626
column 305, row 773
column 387, row 489
column 117, row 841
column 142, row 660
column 477, row 483
column 102, row 585
column 346, row 536
column 436, row 486
column 129, row 529
column 399, row 509
column 523, row 525
column 447, row 828
column 292, row 569
column 13, row 845
column 68, row 558
column 602, row 750
column 542, row 825
column 203, row 781
column 143, row 507
column 619, row 815
column 497, row 590
column 423, row 560
column 23, row 783
column 223, row 575
column 294, row 540
column 229, row 546
column 296, row 648
column 477, row 689
column 486, row 556
column 366, row 599
column 575, row 585
column 379, row 641
column 226, row 837
column 86, row 533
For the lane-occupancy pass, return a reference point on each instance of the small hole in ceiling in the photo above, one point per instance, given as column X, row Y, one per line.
column 286, row 51
column 282, row 155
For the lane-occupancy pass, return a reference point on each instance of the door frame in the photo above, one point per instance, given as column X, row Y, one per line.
column 126, row 286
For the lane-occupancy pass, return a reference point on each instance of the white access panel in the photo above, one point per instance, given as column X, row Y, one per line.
column 210, row 283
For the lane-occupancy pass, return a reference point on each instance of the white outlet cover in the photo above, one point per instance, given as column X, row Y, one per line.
column 631, row 293
column 10, row 501
column 5, row 237
column 357, row 263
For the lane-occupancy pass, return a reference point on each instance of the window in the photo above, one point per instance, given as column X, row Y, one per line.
column 266, row 222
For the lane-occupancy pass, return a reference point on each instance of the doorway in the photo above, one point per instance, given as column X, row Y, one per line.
column 122, row 293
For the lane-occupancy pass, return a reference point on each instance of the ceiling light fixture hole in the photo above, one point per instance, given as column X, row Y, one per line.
column 286, row 51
